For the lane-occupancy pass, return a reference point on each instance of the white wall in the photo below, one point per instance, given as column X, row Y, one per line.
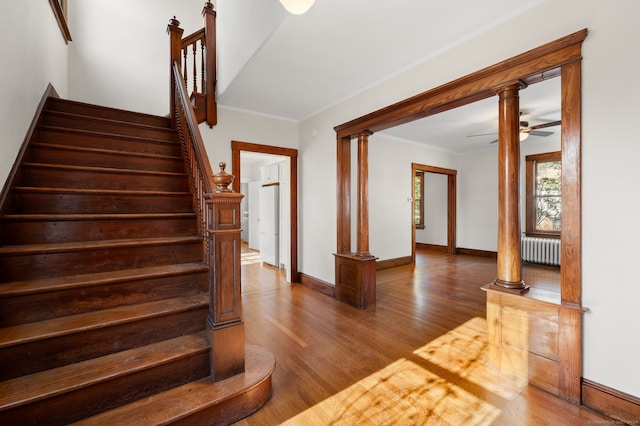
column 435, row 210
column 33, row 55
column 120, row 53
column 610, row 176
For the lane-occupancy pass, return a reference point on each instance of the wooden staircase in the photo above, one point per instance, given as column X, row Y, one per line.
column 103, row 282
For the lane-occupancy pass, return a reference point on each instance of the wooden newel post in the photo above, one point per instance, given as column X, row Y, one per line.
column 209, row 15
column 225, row 327
column 175, row 46
column 509, row 274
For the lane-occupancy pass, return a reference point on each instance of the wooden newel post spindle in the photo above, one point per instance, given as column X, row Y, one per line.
column 225, row 327
column 175, row 46
column 509, row 273
column 209, row 15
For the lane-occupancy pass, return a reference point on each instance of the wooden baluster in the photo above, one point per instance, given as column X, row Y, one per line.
column 184, row 68
column 195, row 68
column 202, row 67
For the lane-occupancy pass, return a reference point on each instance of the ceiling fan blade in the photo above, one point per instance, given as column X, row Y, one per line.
column 493, row 141
column 549, row 124
column 540, row 133
column 482, row 134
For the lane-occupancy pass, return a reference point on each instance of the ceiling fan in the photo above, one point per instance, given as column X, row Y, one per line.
column 526, row 130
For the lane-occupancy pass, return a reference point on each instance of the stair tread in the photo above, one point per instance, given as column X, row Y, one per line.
column 85, row 132
column 41, row 385
column 30, row 332
column 19, row 288
column 76, row 168
column 179, row 402
column 104, row 151
column 93, row 216
column 96, row 191
column 92, row 245
column 130, row 114
column 133, row 124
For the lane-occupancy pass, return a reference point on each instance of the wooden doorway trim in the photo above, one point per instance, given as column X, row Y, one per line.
column 451, row 205
column 560, row 58
column 236, row 148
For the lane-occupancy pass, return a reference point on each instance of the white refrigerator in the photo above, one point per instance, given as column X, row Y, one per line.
column 269, row 224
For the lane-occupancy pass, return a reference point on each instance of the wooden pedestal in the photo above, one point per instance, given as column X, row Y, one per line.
column 356, row 279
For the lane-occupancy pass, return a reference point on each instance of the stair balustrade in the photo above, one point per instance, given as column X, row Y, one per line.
column 218, row 210
column 196, row 54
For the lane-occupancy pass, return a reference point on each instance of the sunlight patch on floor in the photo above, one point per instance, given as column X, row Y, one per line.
column 405, row 392
column 250, row 258
column 463, row 351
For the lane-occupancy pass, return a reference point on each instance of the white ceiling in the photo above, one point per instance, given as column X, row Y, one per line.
column 342, row 47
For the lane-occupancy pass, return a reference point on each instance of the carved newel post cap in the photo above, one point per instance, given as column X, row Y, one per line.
column 173, row 22
column 208, row 5
column 223, row 179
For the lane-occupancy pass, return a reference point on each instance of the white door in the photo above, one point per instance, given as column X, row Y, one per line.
column 254, row 215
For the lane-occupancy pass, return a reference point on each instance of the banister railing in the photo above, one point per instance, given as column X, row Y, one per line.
column 196, row 54
column 194, row 153
column 218, row 211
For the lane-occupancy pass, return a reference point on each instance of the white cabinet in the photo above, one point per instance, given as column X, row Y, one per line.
column 270, row 173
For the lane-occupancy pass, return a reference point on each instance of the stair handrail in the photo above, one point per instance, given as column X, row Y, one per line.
column 193, row 148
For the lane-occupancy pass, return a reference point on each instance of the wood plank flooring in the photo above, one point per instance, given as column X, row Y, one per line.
column 417, row 357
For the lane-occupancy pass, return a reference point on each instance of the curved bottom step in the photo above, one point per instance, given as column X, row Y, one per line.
column 202, row 402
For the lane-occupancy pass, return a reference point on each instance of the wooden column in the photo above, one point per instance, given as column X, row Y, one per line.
column 355, row 271
column 225, row 327
column 363, row 194
column 509, row 274
column 209, row 15
column 175, row 46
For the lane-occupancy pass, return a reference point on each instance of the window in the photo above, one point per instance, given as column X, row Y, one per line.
column 418, row 197
column 544, row 194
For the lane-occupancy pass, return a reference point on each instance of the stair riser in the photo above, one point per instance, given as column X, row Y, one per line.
column 112, row 127
column 64, row 231
column 116, row 143
column 47, row 265
column 96, row 179
column 69, row 349
column 28, row 308
column 118, row 160
column 84, row 203
column 84, row 402
column 108, row 113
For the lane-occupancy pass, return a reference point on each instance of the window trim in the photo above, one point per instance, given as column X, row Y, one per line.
column 419, row 174
column 530, row 209
column 60, row 11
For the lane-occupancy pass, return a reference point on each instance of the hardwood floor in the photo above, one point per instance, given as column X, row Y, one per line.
column 417, row 357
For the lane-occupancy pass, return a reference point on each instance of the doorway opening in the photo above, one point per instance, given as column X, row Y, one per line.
column 288, row 188
column 447, row 194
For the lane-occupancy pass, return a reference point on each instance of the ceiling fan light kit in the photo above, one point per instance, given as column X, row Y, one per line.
column 297, row 7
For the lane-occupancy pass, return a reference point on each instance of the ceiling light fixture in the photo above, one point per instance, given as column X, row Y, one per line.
column 523, row 136
column 297, row 7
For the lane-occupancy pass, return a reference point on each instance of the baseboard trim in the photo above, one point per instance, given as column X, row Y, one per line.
column 434, row 247
column 390, row 263
column 474, row 252
column 611, row 402
column 317, row 284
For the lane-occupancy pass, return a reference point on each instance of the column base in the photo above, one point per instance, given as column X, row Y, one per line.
column 227, row 349
column 508, row 286
column 356, row 279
